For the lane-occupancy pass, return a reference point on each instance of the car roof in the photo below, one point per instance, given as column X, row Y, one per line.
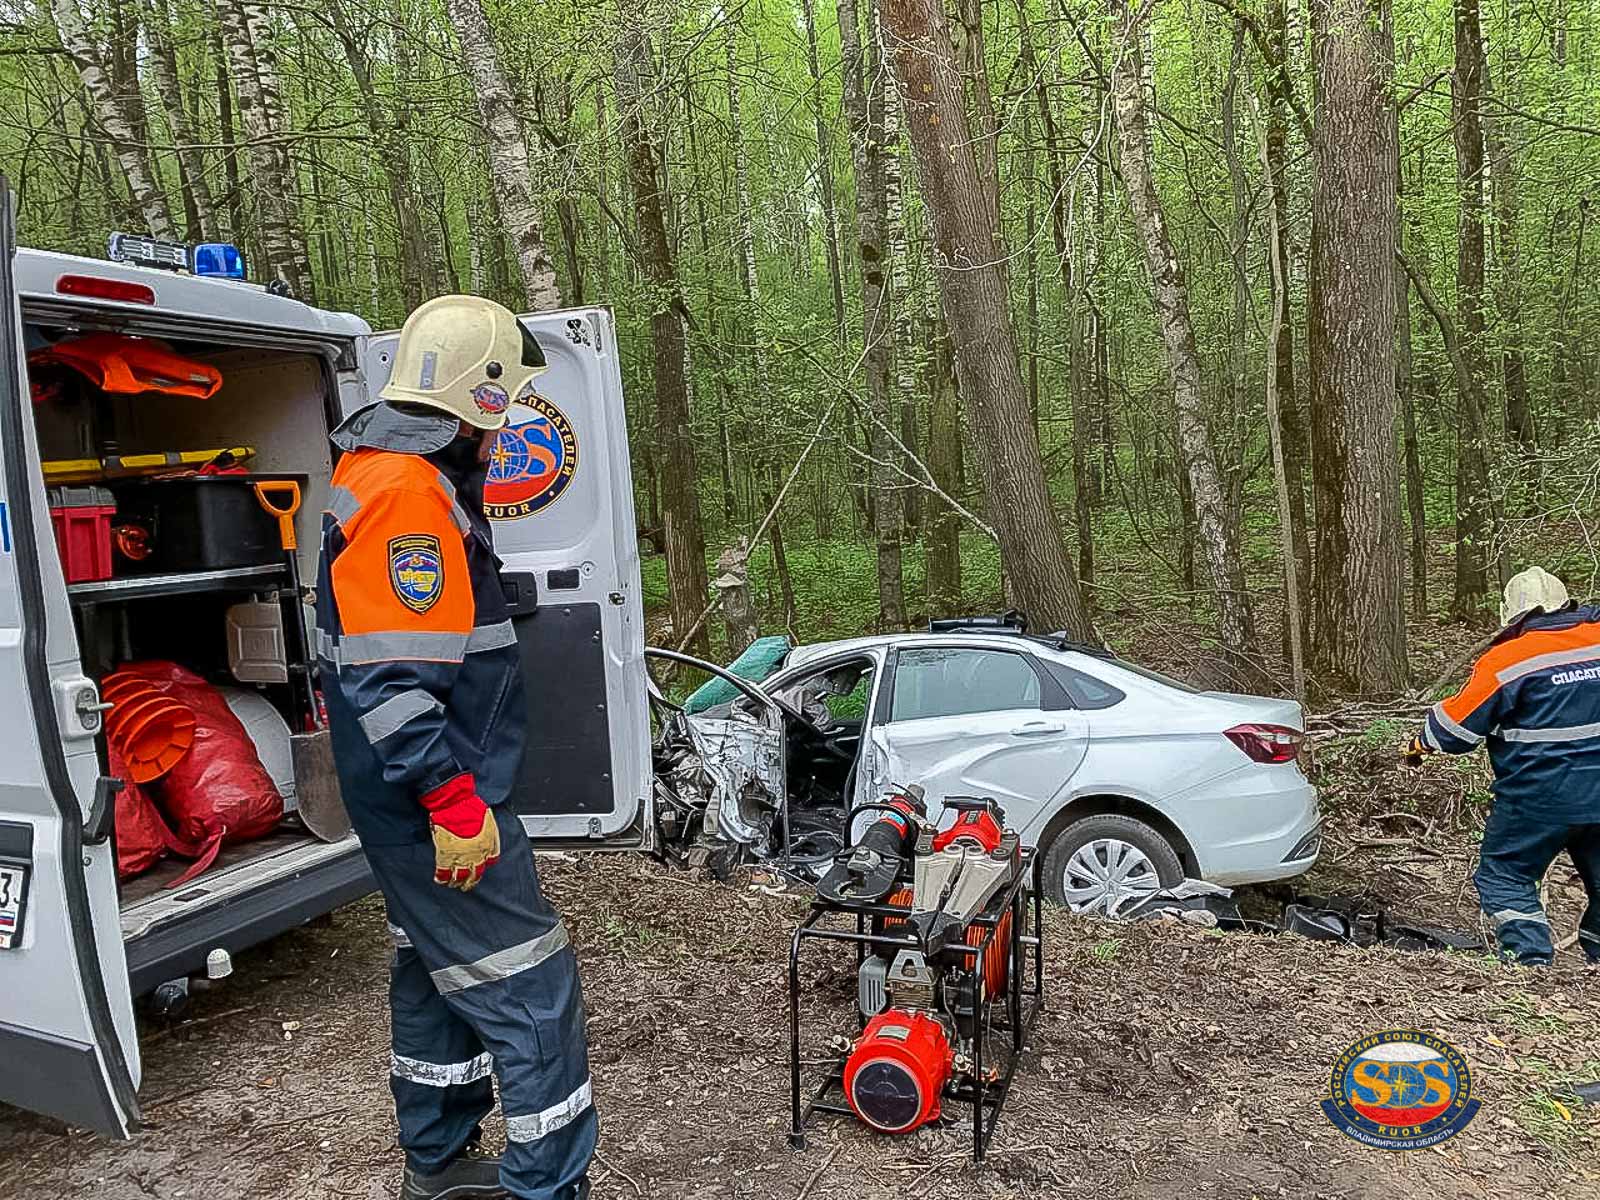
column 226, row 301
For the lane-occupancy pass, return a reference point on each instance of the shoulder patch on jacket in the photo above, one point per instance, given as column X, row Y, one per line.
column 416, row 570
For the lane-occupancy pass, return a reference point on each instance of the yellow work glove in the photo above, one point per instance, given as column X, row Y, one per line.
column 466, row 840
column 1415, row 752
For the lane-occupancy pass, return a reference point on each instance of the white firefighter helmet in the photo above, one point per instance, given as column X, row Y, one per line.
column 465, row 355
column 1533, row 590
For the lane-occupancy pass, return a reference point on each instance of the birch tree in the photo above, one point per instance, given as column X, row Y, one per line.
column 113, row 112
column 511, row 170
column 1218, row 545
column 199, row 207
column 254, row 89
column 863, row 102
column 1473, row 502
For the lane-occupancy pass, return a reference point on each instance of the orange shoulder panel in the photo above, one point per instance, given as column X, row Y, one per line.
column 404, row 565
column 1486, row 672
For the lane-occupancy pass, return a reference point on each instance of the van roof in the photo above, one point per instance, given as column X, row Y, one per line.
column 226, row 301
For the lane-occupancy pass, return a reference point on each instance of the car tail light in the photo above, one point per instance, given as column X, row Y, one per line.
column 1267, row 743
column 105, row 289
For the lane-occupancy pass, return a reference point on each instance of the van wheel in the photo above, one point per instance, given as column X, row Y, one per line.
column 1105, row 865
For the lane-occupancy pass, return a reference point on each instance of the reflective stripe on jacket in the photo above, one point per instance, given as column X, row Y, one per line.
column 419, row 663
column 1534, row 699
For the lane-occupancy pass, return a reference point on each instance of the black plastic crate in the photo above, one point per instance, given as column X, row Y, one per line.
column 196, row 523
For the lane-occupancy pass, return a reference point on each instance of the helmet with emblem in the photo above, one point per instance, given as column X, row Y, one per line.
column 467, row 356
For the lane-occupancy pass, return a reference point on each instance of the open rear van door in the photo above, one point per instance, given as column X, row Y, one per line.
column 560, row 499
column 66, row 1024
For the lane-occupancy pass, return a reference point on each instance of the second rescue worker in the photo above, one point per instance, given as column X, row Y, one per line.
column 423, row 683
column 1534, row 698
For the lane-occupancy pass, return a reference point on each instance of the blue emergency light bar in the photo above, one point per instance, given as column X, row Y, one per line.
column 221, row 260
column 215, row 260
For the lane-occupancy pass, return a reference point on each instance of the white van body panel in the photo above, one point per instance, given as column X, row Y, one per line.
column 66, row 1027
column 218, row 302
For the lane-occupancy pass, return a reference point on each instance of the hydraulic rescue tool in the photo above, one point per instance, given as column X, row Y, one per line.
column 945, row 922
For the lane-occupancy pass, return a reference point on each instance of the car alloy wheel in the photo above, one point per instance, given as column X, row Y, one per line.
column 1108, row 876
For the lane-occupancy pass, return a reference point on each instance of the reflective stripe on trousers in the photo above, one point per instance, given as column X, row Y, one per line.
column 488, row 971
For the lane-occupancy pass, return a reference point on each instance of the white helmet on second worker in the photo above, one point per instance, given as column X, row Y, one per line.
column 465, row 355
column 1533, row 590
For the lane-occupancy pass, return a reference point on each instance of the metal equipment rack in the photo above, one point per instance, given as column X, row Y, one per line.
column 1013, row 1014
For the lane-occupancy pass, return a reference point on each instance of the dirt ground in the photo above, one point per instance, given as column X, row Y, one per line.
column 1172, row 1062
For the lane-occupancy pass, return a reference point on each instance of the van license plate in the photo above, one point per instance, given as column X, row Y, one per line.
column 13, row 891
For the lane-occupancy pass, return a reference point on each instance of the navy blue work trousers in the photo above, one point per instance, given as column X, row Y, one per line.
column 484, row 981
column 1516, row 853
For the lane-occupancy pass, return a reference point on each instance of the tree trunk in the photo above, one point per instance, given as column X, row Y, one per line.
column 969, row 248
column 230, row 155
column 115, row 114
column 980, row 103
column 1359, row 640
column 903, row 405
column 825, row 187
column 687, row 582
column 602, row 192
column 1416, row 503
column 1473, row 504
column 1504, row 170
column 744, row 231
column 1170, row 290
column 282, row 246
column 780, row 564
column 1239, row 254
column 943, row 537
column 1290, row 409
column 418, row 281
column 198, row 204
column 256, row 20
column 1294, row 627
column 864, row 104
column 1085, row 476
column 508, row 156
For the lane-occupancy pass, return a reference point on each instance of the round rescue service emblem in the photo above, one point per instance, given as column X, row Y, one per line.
column 1400, row 1089
column 491, row 398
column 533, row 461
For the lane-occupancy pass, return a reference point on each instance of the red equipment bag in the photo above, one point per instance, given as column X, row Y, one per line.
column 218, row 792
column 142, row 836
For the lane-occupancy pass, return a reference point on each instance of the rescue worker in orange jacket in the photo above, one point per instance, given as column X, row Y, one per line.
column 422, row 680
column 1534, row 699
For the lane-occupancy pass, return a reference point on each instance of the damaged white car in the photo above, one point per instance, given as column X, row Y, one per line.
column 1126, row 780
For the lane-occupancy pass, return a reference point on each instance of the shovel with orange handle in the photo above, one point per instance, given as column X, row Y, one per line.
column 316, row 781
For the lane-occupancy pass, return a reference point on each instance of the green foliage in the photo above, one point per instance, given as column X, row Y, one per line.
column 765, row 368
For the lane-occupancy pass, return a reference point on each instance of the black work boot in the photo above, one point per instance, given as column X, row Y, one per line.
column 474, row 1174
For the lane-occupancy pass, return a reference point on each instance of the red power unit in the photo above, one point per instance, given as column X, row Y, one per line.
column 81, row 517
column 895, row 1075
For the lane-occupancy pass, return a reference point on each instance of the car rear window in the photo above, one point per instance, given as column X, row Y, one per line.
column 1086, row 691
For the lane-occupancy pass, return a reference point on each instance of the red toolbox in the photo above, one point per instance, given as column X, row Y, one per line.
column 82, row 520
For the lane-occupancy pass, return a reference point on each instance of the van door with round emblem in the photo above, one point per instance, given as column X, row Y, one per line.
column 559, row 497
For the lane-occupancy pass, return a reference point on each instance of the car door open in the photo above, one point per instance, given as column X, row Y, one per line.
column 560, row 499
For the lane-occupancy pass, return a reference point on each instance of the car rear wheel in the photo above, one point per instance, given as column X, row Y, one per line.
column 1105, row 865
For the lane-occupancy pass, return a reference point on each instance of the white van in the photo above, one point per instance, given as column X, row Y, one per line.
column 75, row 947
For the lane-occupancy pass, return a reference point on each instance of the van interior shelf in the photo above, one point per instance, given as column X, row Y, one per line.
column 143, row 587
